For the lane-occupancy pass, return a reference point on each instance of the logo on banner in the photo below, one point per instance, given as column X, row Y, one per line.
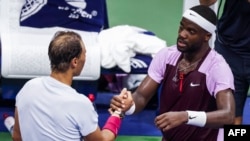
column 76, row 9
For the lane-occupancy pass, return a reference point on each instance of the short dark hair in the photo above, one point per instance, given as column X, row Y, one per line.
column 206, row 12
column 64, row 46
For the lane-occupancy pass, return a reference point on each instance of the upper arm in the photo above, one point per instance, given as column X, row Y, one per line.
column 225, row 112
column 220, row 83
column 225, row 100
column 16, row 130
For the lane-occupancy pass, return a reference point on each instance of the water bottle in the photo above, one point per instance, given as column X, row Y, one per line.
column 92, row 99
column 9, row 122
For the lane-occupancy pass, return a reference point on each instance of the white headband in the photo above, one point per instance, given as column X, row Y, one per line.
column 199, row 20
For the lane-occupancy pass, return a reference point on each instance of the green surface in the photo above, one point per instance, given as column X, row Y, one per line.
column 159, row 16
column 6, row 137
column 138, row 138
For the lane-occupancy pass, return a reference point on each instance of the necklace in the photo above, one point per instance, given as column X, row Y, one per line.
column 183, row 70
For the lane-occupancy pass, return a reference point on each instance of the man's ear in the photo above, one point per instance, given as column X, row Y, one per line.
column 74, row 62
column 208, row 37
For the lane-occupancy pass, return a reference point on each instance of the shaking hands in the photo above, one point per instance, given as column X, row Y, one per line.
column 122, row 102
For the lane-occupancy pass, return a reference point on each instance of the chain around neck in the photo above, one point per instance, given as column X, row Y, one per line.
column 189, row 66
column 175, row 78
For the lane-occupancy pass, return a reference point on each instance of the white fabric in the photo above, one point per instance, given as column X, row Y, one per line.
column 131, row 110
column 24, row 49
column 199, row 20
column 118, row 44
column 50, row 110
column 197, row 118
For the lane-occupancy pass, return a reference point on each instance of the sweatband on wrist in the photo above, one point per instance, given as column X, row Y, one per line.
column 197, row 118
column 113, row 124
column 131, row 110
column 199, row 20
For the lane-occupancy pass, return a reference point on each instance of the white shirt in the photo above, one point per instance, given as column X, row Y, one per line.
column 50, row 110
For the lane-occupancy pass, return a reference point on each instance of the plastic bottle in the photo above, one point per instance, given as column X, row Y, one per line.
column 9, row 122
column 92, row 99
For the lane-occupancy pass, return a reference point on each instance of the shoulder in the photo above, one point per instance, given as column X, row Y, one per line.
column 214, row 61
column 218, row 60
column 215, row 64
column 166, row 56
column 219, row 74
column 33, row 81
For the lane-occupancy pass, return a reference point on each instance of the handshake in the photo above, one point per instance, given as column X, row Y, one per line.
column 122, row 104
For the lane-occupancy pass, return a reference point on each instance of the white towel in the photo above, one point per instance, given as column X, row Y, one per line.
column 24, row 49
column 118, row 44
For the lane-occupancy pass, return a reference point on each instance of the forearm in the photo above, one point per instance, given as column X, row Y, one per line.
column 140, row 102
column 144, row 93
column 108, row 135
column 108, row 132
column 112, row 126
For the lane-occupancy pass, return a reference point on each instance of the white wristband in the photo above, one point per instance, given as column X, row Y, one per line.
column 197, row 118
column 131, row 110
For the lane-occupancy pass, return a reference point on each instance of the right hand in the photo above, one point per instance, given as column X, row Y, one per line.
column 122, row 102
column 169, row 120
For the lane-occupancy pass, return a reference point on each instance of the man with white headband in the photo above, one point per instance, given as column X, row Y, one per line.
column 195, row 102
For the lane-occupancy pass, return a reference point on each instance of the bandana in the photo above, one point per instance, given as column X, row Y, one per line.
column 199, row 20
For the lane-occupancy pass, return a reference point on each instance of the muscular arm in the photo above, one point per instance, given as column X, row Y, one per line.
column 215, row 119
column 141, row 96
column 97, row 135
column 111, row 127
column 226, row 110
column 144, row 93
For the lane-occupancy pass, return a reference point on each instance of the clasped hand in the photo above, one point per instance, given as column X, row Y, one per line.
column 122, row 102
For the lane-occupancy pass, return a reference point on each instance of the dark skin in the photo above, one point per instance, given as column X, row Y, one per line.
column 192, row 41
